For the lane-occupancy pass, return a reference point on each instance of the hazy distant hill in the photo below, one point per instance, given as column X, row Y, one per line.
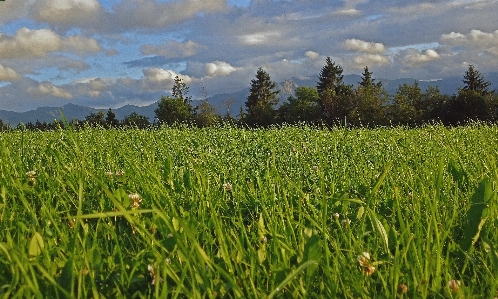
column 48, row 114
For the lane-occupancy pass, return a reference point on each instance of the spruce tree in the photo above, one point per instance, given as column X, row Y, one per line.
column 474, row 81
column 261, row 100
column 335, row 97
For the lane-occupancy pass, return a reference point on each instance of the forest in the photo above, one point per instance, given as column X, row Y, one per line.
column 330, row 103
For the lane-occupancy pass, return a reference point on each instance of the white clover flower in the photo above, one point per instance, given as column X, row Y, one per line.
column 364, row 259
column 135, row 197
column 227, row 187
column 31, row 176
column 136, row 200
column 454, row 285
column 365, row 264
column 345, row 222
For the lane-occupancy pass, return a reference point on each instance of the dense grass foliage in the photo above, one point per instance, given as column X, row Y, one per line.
column 236, row 213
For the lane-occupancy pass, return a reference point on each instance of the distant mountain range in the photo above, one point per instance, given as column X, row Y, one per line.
column 71, row 111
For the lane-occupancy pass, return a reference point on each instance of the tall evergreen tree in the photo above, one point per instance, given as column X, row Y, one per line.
column 474, row 101
column 370, row 102
column 261, row 101
column 110, row 119
column 474, row 81
column 335, row 97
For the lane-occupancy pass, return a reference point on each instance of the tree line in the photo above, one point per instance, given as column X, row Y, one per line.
column 330, row 103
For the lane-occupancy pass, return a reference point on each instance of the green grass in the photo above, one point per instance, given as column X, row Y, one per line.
column 238, row 213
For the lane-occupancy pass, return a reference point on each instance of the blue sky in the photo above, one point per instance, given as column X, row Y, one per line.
column 110, row 53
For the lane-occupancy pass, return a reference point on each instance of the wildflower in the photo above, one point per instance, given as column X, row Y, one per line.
column 227, row 187
column 402, row 288
column 264, row 240
column 410, row 194
column 72, row 223
column 454, row 285
column 109, row 173
column 315, row 168
column 336, row 216
column 345, row 222
column 168, row 260
column 365, row 264
column 31, row 176
column 120, row 173
column 136, row 200
column 152, row 273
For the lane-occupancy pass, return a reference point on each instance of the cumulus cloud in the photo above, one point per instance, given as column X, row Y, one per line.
column 90, row 86
column 66, row 11
column 8, row 74
column 369, row 60
column 154, row 14
column 173, row 49
column 217, row 68
column 48, row 89
column 475, row 39
column 12, row 10
column 414, row 58
column 29, row 43
column 348, row 12
column 258, row 37
column 312, row 55
column 159, row 79
column 363, row 46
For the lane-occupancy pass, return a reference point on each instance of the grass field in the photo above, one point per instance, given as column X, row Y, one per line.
column 292, row 212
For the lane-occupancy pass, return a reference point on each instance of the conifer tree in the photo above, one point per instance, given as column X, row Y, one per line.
column 474, row 81
column 261, row 101
column 335, row 97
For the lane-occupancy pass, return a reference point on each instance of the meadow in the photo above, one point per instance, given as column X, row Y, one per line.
column 288, row 212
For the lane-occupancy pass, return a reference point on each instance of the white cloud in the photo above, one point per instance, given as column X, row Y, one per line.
column 370, row 60
column 66, row 11
column 29, row 43
column 8, row 74
column 48, row 89
column 258, row 37
column 414, row 58
column 348, row 12
column 158, row 79
column 363, row 46
column 312, row 55
column 217, row 68
column 173, row 49
column 474, row 40
column 80, row 45
column 155, row 14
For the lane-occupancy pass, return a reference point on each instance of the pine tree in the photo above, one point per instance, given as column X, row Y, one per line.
column 261, row 101
column 336, row 98
column 474, row 81
column 370, row 101
column 111, row 120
